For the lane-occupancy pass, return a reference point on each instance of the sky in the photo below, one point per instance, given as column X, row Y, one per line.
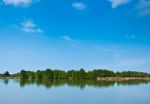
column 74, row 34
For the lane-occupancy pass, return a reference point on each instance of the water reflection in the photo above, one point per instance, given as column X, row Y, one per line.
column 6, row 81
column 77, row 83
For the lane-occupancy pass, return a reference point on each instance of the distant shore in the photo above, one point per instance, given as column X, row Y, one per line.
column 97, row 79
column 96, row 75
column 122, row 78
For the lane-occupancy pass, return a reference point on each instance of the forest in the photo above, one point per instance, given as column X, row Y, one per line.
column 72, row 74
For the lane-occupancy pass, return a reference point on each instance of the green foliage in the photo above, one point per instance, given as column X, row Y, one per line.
column 73, row 74
column 6, row 74
column 23, row 74
column 132, row 74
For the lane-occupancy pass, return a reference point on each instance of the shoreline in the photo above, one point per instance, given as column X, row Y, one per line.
column 97, row 79
column 122, row 78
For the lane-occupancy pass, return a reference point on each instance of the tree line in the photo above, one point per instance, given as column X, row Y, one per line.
column 72, row 74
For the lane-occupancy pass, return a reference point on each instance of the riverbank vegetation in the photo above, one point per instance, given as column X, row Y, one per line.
column 73, row 74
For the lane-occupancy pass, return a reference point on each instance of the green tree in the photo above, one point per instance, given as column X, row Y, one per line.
column 6, row 74
column 23, row 74
column 82, row 73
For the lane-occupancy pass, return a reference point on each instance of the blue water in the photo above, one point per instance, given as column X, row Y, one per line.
column 17, row 92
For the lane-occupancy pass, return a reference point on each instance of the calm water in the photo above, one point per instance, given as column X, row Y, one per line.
column 74, row 92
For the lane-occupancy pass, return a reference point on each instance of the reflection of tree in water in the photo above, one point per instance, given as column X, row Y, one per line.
column 93, row 83
column 46, row 83
column 6, row 81
column 78, row 83
column 133, row 82
column 25, row 82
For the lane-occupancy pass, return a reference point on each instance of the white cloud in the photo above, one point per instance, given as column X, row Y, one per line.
column 116, row 3
column 71, row 41
column 129, row 64
column 125, row 64
column 102, row 49
column 79, row 5
column 67, row 38
column 144, row 7
column 131, row 36
column 18, row 2
column 30, row 26
column 133, row 62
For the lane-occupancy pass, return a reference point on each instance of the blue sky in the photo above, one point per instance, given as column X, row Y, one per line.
column 70, row 34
